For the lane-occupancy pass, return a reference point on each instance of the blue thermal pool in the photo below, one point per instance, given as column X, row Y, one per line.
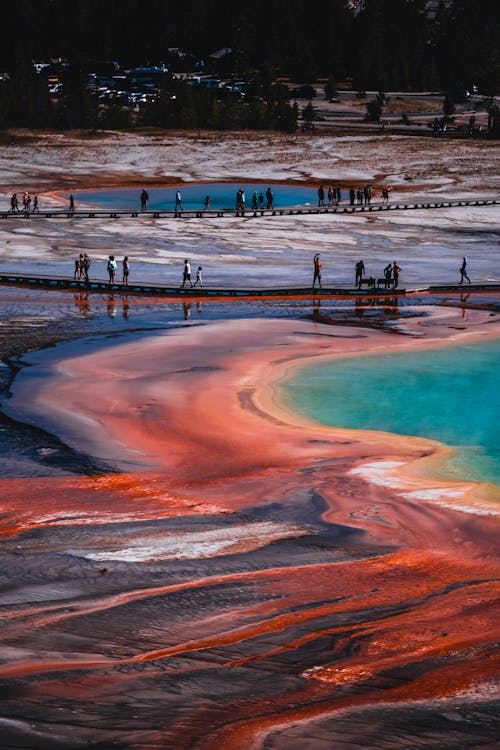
column 449, row 394
column 222, row 196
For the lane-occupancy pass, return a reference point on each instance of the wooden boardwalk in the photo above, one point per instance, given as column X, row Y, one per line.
column 91, row 213
column 157, row 290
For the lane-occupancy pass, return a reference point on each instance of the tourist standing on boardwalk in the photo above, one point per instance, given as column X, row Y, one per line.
column 321, row 196
column 352, row 196
column 71, row 203
column 85, row 267
column 112, row 269
column 317, row 271
column 178, row 201
column 186, row 275
column 261, row 200
column 35, row 204
column 199, row 280
column 125, row 271
column 206, row 204
column 254, row 201
column 463, row 271
column 77, row 274
column 270, row 198
column 388, row 275
column 360, row 272
column 14, row 206
column 396, row 270
column 144, row 200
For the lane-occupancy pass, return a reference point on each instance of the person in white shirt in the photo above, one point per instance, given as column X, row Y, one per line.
column 186, row 276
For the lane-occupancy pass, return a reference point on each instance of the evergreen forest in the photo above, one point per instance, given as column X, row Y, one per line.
column 382, row 45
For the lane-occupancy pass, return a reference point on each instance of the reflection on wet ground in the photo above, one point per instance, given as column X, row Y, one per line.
column 257, row 592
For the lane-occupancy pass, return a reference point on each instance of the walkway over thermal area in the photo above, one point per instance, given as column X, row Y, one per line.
column 93, row 213
column 61, row 282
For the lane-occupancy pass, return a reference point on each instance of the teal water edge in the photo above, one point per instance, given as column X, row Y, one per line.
column 222, row 195
column 450, row 394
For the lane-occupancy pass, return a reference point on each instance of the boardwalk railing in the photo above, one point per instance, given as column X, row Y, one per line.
column 94, row 213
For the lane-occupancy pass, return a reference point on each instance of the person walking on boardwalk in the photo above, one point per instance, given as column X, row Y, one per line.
column 112, row 269
column 35, row 204
column 125, row 271
column 71, row 203
column 206, row 203
column 254, row 200
column 321, row 196
column 199, row 280
column 396, row 270
column 178, row 201
column 270, row 198
column 186, row 275
column 317, row 270
column 144, row 200
column 14, row 206
column 463, row 271
column 360, row 272
column 385, row 194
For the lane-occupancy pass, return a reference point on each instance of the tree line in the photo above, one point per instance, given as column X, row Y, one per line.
column 381, row 44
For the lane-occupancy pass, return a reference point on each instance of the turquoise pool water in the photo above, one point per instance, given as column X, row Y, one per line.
column 450, row 394
column 222, row 195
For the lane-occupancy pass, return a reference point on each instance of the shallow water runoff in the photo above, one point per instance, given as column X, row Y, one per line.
column 450, row 394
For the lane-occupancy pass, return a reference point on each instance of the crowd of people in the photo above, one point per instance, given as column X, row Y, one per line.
column 28, row 205
column 327, row 196
column 260, row 200
column 332, row 195
column 389, row 280
column 82, row 265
